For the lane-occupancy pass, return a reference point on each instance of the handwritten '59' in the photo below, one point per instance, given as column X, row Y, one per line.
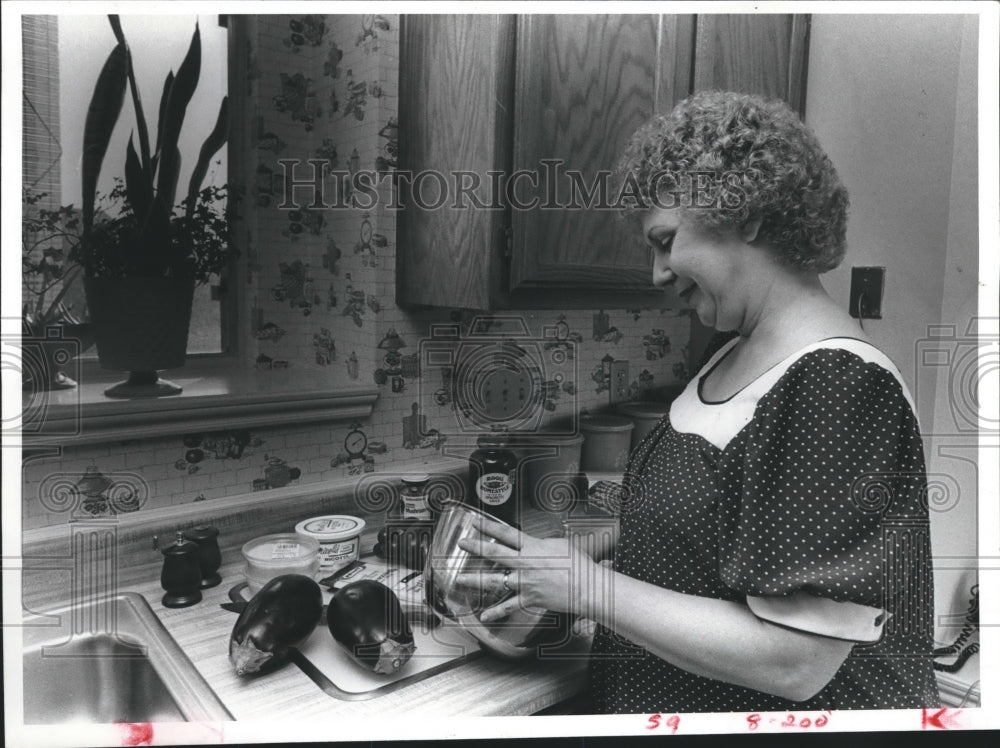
column 657, row 721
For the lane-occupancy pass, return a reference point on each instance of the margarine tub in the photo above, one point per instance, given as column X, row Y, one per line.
column 273, row 555
column 339, row 538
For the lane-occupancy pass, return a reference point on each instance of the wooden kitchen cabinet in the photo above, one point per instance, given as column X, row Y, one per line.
column 456, row 94
column 492, row 96
column 583, row 85
column 759, row 54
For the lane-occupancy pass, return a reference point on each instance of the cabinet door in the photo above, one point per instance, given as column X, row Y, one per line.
column 455, row 74
column 760, row 54
column 583, row 85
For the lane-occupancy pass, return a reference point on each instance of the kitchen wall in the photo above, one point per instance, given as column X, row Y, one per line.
column 319, row 285
column 894, row 101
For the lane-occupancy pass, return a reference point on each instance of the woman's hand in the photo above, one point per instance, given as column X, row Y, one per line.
column 550, row 574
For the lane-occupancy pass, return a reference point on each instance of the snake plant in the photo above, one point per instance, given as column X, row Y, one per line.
column 151, row 238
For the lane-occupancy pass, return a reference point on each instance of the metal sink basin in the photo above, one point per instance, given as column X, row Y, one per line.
column 110, row 660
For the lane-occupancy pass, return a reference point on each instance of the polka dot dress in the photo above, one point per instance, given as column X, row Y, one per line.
column 808, row 482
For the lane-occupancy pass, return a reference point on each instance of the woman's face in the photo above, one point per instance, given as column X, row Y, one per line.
column 705, row 267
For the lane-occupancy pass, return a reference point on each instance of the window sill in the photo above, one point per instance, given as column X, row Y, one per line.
column 217, row 394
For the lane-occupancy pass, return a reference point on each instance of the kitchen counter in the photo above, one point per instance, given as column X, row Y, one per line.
column 487, row 685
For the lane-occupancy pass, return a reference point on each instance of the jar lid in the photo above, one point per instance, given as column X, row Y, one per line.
column 643, row 410
column 605, row 424
column 331, row 527
column 415, row 478
column 278, row 548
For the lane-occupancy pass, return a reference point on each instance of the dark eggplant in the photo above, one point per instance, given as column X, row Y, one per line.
column 366, row 619
column 282, row 615
column 405, row 542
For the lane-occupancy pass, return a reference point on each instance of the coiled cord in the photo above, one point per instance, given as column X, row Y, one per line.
column 959, row 647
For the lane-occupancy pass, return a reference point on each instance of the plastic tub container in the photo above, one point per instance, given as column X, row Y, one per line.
column 270, row 556
column 339, row 538
column 644, row 417
column 606, row 443
column 545, row 458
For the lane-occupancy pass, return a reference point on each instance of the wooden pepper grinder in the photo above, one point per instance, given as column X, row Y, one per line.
column 209, row 555
column 181, row 575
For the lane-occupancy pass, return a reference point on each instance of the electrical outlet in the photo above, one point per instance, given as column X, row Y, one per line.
column 866, row 292
column 619, row 382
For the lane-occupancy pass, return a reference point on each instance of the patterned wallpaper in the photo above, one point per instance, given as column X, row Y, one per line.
column 320, row 295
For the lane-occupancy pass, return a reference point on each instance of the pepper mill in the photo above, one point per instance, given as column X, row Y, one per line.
column 209, row 555
column 181, row 575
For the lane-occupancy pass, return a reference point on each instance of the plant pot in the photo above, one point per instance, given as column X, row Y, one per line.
column 141, row 326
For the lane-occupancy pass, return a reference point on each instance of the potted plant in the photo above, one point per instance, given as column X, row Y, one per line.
column 141, row 266
column 52, row 315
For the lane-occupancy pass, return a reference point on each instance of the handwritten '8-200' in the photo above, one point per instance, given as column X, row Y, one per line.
column 754, row 720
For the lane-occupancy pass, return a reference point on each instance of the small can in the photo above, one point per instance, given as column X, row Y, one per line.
column 339, row 537
column 413, row 497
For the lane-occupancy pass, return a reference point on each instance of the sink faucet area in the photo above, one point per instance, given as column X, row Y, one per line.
column 110, row 660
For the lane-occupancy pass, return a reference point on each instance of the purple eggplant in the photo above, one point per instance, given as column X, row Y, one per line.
column 405, row 542
column 281, row 615
column 366, row 619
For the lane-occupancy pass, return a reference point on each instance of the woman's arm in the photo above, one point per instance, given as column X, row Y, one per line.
column 598, row 542
column 715, row 639
column 712, row 638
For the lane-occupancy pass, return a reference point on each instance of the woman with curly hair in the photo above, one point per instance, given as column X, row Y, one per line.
column 773, row 551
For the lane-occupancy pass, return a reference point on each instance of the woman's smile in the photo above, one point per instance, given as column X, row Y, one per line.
column 686, row 293
column 701, row 265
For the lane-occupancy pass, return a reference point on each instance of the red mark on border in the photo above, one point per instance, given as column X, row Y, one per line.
column 754, row 720
column 672, row 722
column 942, row 719
column 140, row 733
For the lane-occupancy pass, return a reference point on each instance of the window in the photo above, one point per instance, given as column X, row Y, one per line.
column 63, row 56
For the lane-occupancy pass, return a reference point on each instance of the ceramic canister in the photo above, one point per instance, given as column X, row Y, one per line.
column 606, row 443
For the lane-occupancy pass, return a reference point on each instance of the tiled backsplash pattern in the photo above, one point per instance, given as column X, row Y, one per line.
column 321, row 289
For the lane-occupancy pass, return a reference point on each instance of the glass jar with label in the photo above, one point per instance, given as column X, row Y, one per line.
column 413, row 496
column 493, row 478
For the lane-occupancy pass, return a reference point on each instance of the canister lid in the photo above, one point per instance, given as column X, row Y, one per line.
column 643, row 410
column 331, row 527
column 605, row 424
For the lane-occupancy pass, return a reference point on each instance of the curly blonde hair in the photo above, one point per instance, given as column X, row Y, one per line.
column 764, row 163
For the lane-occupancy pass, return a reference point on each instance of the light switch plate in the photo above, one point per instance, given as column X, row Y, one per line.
column 619, row 382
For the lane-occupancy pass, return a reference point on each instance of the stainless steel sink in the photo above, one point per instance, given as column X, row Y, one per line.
column 110, row 660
